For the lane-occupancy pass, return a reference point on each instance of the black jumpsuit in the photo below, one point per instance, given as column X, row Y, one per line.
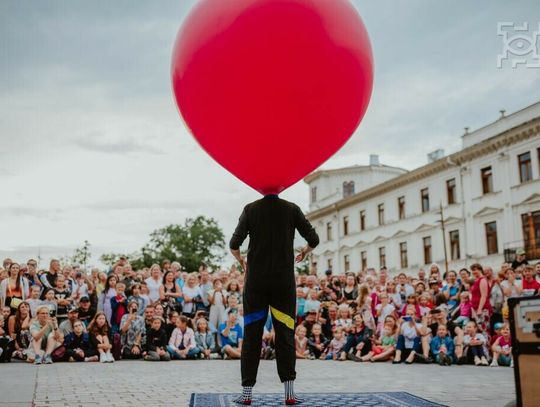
column 270, row 284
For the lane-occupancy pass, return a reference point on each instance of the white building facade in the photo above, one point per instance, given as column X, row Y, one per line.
column 488, row 193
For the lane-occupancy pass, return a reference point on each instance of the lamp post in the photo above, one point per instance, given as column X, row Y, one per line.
column 441, row 213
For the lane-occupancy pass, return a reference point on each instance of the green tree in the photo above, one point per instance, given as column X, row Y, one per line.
column 82, row 254
column 197, row 241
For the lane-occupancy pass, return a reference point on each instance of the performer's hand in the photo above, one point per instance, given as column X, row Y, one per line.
column 300, row 256
column 244, row 264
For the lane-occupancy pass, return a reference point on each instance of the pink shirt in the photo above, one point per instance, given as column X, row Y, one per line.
column 465, row 309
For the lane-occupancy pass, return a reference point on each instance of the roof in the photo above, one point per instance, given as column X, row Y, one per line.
column 345, row 170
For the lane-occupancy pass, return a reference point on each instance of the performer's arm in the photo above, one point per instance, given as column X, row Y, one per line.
column 238, row 238
column 307, row 231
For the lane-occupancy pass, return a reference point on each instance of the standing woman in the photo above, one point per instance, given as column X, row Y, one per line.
column 364, row 307
column 14, row 289
column 154, row 283
column 480, row 292
column 217, row 297
column 109, row 292
column 169, row 292
column 350, row 291
column 192, row 294
column 452, row 289
column 19, row 330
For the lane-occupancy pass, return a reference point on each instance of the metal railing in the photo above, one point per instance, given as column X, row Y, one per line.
column 531, row 247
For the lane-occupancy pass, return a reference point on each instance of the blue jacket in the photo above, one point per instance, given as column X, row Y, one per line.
column 437, row 342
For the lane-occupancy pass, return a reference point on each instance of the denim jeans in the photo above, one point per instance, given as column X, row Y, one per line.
column 192, row 353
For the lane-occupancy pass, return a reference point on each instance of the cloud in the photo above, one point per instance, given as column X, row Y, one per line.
column 123, row 146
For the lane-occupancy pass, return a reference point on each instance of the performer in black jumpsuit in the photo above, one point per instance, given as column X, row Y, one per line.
column 270, row 284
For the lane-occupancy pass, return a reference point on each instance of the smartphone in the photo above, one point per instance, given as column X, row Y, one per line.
column 407, row 318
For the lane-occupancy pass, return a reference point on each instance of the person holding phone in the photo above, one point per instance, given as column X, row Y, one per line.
column 46, row 336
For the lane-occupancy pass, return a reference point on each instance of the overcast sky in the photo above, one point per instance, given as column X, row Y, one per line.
column 92, row 146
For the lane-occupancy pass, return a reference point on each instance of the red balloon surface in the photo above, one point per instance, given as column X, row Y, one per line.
column 272, row 88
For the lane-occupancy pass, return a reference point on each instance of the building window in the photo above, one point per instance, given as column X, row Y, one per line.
column 530, row 223
column 380, row 210
column 348, row 189
column 362, row 220
column 363, row 258
column 491, row 238
column 313, row 194
column 427, row 250
column 487, row 180
column 329, row 264
column 329, row 231
column 346, row 263
column 525, row 167
column 401, row 207
column 451, row 191
column 424, row 193
column 345, row 225
column 454, row 245
column 403, row 255
column 382, row 257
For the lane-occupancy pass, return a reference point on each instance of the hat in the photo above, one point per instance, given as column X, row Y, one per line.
column 520, row 252
column 433, row 281
column 328, row 272
column 84, row 298
column 72, row 308
column 498, row 325
column 312, row 311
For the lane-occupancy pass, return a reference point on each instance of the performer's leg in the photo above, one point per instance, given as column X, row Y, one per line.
column 283, row 306
column 251, row 351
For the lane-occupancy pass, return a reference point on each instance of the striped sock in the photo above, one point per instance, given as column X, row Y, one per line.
column 290, row 397
column 245, row 398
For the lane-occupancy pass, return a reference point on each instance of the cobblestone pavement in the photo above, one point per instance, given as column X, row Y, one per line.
column 137, row 383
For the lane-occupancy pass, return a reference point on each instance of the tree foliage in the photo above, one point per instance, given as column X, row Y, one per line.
column 197, row 241
column 82, row 254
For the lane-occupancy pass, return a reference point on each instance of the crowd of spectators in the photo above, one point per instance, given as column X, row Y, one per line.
column 163, row 313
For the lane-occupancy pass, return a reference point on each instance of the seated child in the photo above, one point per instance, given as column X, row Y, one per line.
column 464, row 309
column 442, row 346
column 300, row 342
column 502, row 348
column 317, row 343
column 474, row 343
column 156, row 342
column 204, row 339
column 335, row 345
column 79, row 347
column 383, row 348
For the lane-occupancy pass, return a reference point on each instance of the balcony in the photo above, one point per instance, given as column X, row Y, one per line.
column 531, row 247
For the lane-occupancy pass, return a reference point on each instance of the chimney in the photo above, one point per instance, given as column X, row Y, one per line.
column 374, row 159
column 466, row 131
column 502, row 112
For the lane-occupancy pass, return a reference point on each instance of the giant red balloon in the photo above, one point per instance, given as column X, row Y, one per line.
column 272, row 88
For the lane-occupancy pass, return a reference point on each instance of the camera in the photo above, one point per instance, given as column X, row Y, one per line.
column 52, row 313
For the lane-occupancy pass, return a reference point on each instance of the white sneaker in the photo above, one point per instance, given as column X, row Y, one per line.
column 103, row 358
column 484, row 361
column 477, row 361
column 512, row 363
column 109, row 357
column 494, row 363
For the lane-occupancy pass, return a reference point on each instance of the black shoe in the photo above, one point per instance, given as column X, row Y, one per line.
column 462, row 360
column 396, row 362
